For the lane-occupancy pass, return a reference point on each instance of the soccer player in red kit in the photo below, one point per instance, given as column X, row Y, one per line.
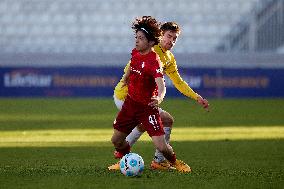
column 146, row 90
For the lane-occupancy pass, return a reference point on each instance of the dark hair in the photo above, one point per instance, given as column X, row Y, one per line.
column 150, row 26
column 172, row 26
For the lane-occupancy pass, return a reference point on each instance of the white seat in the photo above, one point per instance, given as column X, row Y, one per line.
column 108, row 23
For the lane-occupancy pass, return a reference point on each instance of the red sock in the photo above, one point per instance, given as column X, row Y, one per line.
column 124, row 151
column 173, row 158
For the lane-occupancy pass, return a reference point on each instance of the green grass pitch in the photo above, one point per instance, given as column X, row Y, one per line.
column 65, row 143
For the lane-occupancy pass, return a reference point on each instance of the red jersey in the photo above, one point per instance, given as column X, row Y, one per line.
column 143, row 71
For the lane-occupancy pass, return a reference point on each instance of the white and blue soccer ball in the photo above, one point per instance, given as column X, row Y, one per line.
column 131, row 165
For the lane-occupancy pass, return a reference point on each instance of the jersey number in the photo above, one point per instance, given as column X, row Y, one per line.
column 154, row 122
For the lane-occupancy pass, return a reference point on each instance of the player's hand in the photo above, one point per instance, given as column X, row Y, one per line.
column 124, row 84
column 155, row 101
column 125, row 80
column 203, row 102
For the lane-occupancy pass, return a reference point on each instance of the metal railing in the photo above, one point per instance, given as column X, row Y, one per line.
column 262, row 30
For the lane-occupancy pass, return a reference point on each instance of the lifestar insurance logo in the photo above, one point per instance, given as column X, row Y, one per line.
column 27, row 78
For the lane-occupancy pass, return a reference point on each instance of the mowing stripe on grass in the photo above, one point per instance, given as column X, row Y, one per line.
column 82, row 137
column 53, row 117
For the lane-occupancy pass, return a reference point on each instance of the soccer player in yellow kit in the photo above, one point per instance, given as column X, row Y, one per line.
column 171, row 31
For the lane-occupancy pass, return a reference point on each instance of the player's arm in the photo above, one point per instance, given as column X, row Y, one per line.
column 181, row 85
column 125, row 76
column 156, row 100
column 161, row 89
column 185, row 89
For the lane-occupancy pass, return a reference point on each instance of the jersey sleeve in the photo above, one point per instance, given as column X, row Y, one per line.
column 126, row 67
column 171, row 66
column 157, row 68
column 120, row 90
column 179, row 83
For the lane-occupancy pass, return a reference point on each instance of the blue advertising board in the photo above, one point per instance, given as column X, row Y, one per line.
column 74, row 81
column 100, row 82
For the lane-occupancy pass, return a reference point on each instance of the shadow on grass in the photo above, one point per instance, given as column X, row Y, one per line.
column 215, row 164
column 51, row 125
column 22, row 125
column 80, row 113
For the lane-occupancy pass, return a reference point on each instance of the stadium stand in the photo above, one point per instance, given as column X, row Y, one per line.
column 94, row 26
column 262, row 30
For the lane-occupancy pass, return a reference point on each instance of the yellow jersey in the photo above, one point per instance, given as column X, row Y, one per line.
column 170, row 69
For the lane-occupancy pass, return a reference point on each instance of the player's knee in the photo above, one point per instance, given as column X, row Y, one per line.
column 116, row 142
column 113, row 140
column 167, row 119
column 170, row 121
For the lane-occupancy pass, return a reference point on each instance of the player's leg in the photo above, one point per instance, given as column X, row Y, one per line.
column 131, row 139
column 152, row 122
column 135, row 133
column 119, row 142
column 120, row 131
column 163, row 147
column 123, row 124
column 120, row 145
column 167, row 120
column 166, row 149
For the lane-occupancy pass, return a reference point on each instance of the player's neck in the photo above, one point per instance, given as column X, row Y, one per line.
column 146, row 51
column 162, row 48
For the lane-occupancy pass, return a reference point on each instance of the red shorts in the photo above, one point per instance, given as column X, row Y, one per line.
column 134, row 113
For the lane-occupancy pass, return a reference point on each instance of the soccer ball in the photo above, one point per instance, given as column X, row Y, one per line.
column 131, row 165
